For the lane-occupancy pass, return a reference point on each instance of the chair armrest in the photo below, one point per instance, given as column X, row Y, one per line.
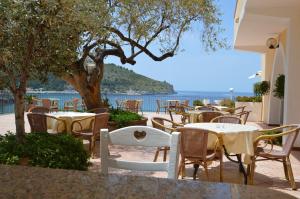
column 79, row 122
column 59, row 120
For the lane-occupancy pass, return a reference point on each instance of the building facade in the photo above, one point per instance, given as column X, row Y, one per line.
column 256, row 22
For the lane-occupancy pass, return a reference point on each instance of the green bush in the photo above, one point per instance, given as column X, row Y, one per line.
column 279, row 87
column 122, row 118
column 276, row 141
column 248, row 99
column 261, row 88
column 45, row 150
column 227, row 102
column 198, row 103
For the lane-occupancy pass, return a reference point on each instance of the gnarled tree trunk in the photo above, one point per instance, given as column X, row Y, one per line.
column 88, row 85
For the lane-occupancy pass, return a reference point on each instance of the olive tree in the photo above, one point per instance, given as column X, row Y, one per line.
column 128, row 28
column 31, row 34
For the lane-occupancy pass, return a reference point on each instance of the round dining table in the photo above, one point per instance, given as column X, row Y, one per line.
column 68, row 117
column 236, row 139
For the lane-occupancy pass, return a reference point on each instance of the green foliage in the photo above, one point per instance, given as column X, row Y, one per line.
column 261, row 88
column 29, row 98
column 122, row 118
column 227, row 102
column 198, row 103
column 119, row 79
column 277, row 140
column 279, row 87
column 248, row 99
column 45, row 150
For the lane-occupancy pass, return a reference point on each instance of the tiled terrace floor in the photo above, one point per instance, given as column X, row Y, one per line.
column 268, row 174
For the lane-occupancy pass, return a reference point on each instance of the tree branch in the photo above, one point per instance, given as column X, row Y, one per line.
column 142, row 48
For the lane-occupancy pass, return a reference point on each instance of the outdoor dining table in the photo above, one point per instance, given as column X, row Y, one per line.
column 237, row 139
column 68, row 117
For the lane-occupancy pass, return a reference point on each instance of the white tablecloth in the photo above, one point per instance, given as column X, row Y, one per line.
column 68, row 117
column 237, row 138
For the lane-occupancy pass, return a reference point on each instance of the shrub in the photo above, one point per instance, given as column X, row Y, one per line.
column 122, row 118
column 45, row 150
column 277, row 140
column 227, row 102
column 248, row 99
column 279, row 87
column 261, row 88
column 198, row 103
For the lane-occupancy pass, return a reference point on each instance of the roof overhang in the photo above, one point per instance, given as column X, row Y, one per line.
column 259, row 20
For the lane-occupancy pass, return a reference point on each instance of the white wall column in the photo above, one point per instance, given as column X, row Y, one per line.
column 275, row 106
column 267, row 64
column 292, row 75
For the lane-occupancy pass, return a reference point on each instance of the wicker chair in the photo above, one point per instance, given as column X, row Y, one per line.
column 193, row 149
column 46, row 103
column 167, row 126
column 98, row 110
column 204, row 108
column 227, row 119
column 208, row 116
column 39, row 109
column 161, row 105
column 38, row 123
column 243, row 115
column 132, row 105
column 51, row 105
column 71, row 105
column 237, row 110
column 264, row 152
column 99, row 121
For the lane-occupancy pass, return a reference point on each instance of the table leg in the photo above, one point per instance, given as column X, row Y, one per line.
column 238, row 161
column 242, row 168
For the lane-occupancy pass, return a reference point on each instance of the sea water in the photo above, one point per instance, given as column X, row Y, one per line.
column 148, row 105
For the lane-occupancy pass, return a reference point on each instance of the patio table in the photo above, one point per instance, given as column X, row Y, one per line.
column 68, row 117
column 237, row 139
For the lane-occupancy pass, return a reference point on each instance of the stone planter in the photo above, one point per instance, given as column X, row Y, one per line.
column 114, row 125
column 254, row 107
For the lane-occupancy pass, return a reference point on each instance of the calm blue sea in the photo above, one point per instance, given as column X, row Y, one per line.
column 149, row 101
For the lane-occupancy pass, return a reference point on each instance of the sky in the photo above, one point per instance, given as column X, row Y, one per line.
column 194, row 69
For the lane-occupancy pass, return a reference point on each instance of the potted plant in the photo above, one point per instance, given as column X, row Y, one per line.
column 120, row 118
column 278, row 92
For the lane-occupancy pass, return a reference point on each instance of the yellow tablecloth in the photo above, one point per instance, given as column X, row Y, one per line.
column 68, row 117
column 237, row 138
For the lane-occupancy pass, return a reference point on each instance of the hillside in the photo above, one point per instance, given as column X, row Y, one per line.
column 116, row 79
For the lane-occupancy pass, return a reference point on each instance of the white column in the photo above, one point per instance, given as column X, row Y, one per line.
column 267, row 63
column 292, row 75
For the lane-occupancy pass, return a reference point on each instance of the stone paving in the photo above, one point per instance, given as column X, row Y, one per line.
column 269, row 174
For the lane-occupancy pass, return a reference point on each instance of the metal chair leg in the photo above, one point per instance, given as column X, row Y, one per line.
column 196, row 167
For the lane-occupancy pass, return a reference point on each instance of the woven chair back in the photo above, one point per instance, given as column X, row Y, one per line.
column 193, row 143
column 37, row 122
